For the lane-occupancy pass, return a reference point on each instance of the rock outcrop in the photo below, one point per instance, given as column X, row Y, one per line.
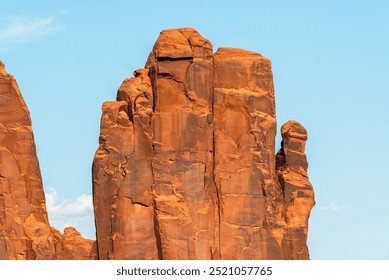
column 291, row 166
column 24, row 228
column 185, row 168
column 72, row 246
column 25, row 232
column 186, row 165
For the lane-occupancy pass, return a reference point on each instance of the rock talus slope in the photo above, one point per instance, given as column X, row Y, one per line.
column 25, row 232
column 186, row 165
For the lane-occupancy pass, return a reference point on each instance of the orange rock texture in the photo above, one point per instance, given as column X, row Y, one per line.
column 72, row 246
column 186, row 165
column 25, row 232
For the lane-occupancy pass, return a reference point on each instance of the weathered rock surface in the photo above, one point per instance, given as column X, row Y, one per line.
column 25, row 232
column 185, row 169
column 298, row 193
column 245, row 128
column 72, row 246
column 24, row 229
column 186, row 165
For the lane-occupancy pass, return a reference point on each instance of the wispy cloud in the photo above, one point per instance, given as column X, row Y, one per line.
column 64, row 212
column 20, row 30
column 333, row 206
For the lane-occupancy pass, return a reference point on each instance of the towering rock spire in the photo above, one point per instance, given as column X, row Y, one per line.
column 186, row 165
column 25, row 232
column 24, row 229
column 298, row 193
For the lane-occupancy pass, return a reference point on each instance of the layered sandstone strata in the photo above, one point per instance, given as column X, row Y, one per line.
column 25, row 232
column 186, row 165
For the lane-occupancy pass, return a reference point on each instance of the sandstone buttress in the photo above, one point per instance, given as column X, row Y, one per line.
column 25, row 232
column 186, row 165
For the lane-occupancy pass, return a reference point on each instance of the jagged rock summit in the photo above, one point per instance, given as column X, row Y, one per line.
column 186, row 165
column 25, row 232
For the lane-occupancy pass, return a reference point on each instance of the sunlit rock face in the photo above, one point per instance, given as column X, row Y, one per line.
column 25, row 233
column 185, row 168
column 186, row 165
column 24, row 229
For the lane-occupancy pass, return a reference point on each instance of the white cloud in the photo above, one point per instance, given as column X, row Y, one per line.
column 333, row 206
column 21, row 30
column 64, row 212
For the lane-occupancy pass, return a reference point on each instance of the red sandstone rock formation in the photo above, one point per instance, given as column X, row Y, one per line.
column 72, row 246
column 24, row 229
column 185, row 168
column 186, row 165
column 25, row 232
column 298, row 194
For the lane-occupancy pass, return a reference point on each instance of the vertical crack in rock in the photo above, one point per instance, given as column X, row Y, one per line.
column 207, row 151
column 216, row 253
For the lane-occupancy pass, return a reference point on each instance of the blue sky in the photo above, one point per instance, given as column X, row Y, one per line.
column 330, row 63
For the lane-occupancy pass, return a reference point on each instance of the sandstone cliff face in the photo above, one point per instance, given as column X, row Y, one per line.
column 186, row 165
column 25, row 232
column 24, row 229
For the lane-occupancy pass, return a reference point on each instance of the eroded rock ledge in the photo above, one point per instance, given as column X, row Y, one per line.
column 186, row 165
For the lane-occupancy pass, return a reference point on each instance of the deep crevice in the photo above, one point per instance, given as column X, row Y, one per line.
column 154, row 204
column 156, row 232
column 173, row 58
column 218, row 198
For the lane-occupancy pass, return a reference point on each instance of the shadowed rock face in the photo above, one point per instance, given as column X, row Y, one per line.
column 186, row 165
column 25, row 232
